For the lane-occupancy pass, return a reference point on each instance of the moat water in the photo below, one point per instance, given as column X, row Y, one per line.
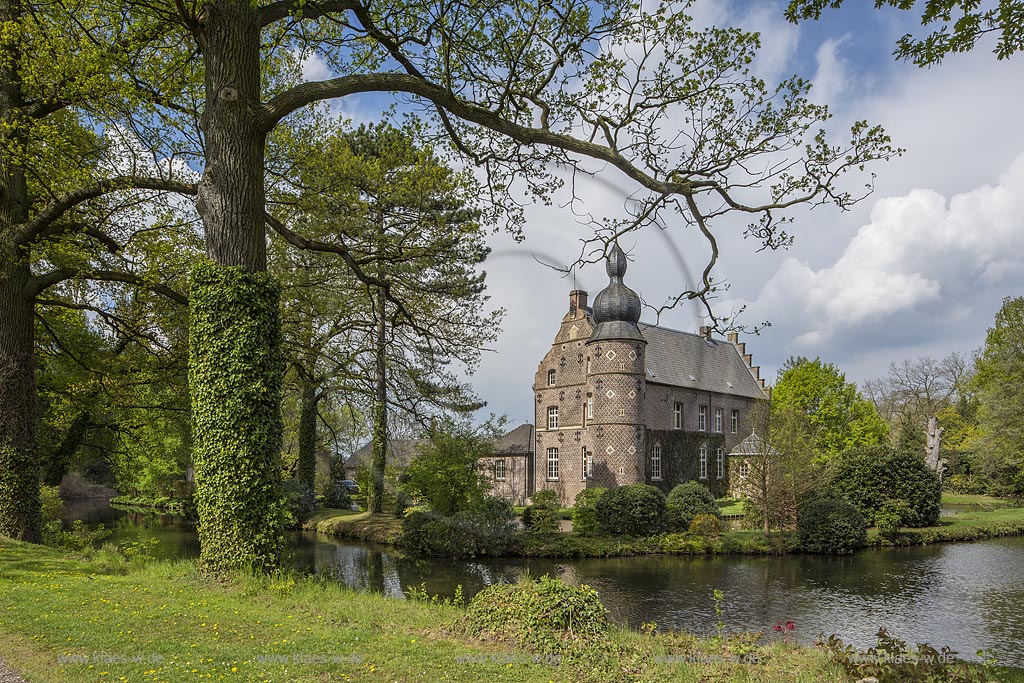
column 969, row 596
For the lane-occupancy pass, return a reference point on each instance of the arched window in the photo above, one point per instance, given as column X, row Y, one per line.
column 551, row 378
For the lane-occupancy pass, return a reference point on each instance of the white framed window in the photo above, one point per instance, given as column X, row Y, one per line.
column 677, row 415
column 720, row 463
column 702, row 418
column 744, row 470
column 590, row 406
column 551, row 378
column 703, row 461
column 499, row 469
column 656, row 462
column 587, row 464
column 718, row 420
column 552, row 417
column 735, row 421
column 553, row 464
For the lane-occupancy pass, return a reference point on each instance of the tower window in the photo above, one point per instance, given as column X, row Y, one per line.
column 718, row 420
column 702, row 419
column 735, row 421
column 744, row 470
column 552, row 417
column 704, row 461
column 656, row 462
column 553, row 464
column 551, row 378
column 677, row 415
column 590, row 407
column 587, row 464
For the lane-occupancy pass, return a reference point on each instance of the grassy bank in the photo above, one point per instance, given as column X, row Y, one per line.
column 363, row 526
column 161, row 504
column 68, row 619
column 965, row 526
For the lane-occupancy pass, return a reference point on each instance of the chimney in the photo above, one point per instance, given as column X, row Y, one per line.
column 734, row 337
column 577, row 301
column 705, row 331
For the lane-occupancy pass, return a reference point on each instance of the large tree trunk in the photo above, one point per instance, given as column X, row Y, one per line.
column 235, row 351
column 378, row 461
column 307, row 435
column 20, row 515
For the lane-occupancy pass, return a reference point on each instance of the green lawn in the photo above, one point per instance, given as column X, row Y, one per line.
column 968, row 499
column 379, row 528
column 730, row 506
column 182, row 626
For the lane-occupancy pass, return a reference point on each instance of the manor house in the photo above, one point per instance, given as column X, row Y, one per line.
column 620, row 402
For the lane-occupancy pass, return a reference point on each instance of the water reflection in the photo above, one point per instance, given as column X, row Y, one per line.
column 969, row 596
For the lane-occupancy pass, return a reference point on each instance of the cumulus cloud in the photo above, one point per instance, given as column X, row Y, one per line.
column 919, row 253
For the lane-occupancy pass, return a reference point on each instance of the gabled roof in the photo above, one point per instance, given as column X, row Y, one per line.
column 752, row 445
column 400, row 453
column 684, row 359
column 519, row 441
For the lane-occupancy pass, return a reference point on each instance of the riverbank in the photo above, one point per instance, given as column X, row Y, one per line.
column 69, row 618
column 996, row 520
column 162, row 505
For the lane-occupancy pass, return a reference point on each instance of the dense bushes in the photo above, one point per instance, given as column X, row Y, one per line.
column 299, row 502
column 543, row 515
column 706, row 526
column 831, row 525
column 337, row 496
column 869, row 477
column 584, row 512
column 542, row 615
column 633, row 510
column 686, row 501
column 489, row 529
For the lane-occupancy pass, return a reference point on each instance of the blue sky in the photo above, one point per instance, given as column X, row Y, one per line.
column 919, row 268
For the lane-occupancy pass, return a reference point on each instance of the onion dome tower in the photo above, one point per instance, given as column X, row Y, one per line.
column 616, row 381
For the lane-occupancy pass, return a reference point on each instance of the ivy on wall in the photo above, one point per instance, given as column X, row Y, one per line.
column 235, row 377
column 680, row 459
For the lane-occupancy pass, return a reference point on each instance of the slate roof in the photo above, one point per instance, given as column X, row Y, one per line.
column 685, row 359
column 752, row 445
column 400, row 453
column 519, row 441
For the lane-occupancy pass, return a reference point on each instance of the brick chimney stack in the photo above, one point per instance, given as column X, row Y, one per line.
column 705, row 331
column 577, row 301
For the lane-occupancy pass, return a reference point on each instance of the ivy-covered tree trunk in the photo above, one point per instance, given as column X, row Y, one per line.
column 307, row 435
column 20, row 515
column 378, row 461
column 236, row 366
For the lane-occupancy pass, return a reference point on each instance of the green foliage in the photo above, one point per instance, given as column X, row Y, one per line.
column 469, row 533
column 838, row 416
column 963, row 483
column 299, row 502
column 998, row 382
column 543, row 515
column 891, row 661
column 235, row 377
column 633, row 510
column 446, row 474
column 870, row 477
column 706, row 526
column 890, row 516
column 686, row 501
column 545, row 615
column 584, row 512
column 961, row 24
column 832, row 526
column 680, row 458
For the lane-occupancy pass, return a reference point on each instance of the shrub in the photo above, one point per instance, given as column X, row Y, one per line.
column 633, row 510
column 963, row 483
column 466, row 534
column 831, row 525
column 584, row 512
column 686, row 501
column 446, row 472
column 868, row 477
column 542, row 516
column 889, row 517
column 542, row 614
column 299, row 502
column 337, row 496
column 706, row 526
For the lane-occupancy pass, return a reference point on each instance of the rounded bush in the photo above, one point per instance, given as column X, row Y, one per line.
column 706, row 526
column 868, row 477
column 542, row 515
column 832, row 526
column 633, row 510
column 466, row 534
column 542, row 614
column 686, row 501
column 584, row 512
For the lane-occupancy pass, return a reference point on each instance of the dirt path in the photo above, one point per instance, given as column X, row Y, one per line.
column 8, row 676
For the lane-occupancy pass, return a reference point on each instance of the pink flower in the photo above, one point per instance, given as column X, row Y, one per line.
column 778, row 626
column 790, row 626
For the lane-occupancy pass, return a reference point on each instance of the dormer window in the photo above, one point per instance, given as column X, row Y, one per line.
column 551, row 378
